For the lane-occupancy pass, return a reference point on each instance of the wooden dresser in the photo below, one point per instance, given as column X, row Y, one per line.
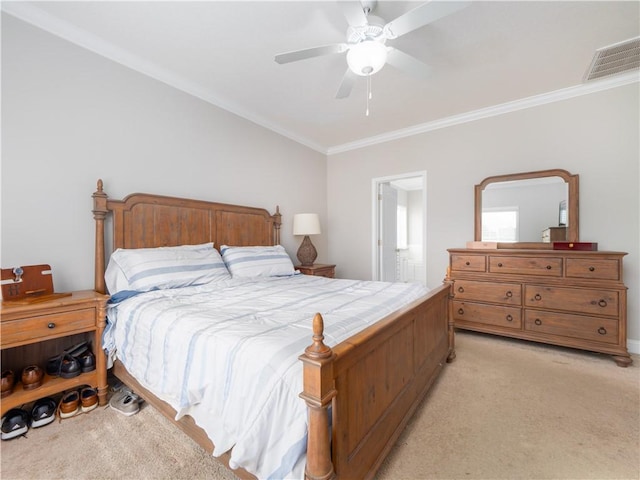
column 31, row 333
column 570, row 298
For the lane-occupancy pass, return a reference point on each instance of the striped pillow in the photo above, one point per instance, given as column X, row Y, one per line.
column 257, row 261
column 144, row 269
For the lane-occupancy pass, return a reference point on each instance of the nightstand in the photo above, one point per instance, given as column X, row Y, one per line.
column 318, row 270
column 31, row 333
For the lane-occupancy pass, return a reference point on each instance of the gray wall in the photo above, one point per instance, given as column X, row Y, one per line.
column 595, row 136
column 70, row 117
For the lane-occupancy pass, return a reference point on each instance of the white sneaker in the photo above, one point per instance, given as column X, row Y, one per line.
column 125, row 402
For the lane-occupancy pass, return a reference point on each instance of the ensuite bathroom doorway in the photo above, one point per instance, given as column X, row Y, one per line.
column 399, row 228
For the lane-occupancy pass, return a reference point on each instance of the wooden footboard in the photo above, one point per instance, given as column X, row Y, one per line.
column 374, row 382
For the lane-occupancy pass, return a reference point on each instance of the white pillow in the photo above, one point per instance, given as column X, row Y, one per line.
column 144, row 269
column 257, row 261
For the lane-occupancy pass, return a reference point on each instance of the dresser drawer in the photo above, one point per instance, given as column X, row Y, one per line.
column 582, row 300
column 469, row 263
column 54, row 325
column 600, row 269
column 574, row 326
column 506, row 293
column 510, row 317
column 547, row 266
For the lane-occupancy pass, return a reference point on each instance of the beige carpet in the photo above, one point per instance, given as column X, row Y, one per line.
column 504, row 409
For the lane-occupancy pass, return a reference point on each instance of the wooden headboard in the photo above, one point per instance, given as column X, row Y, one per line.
column 142, row 220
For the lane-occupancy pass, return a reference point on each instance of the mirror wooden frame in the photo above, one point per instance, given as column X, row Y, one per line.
column 573, row 208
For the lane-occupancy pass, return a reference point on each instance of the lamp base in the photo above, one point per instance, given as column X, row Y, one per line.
column 307, row 253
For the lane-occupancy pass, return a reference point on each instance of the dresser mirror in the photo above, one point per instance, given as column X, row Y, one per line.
column 527, row 210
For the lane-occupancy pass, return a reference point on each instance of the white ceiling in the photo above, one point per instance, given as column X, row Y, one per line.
column 486, row 58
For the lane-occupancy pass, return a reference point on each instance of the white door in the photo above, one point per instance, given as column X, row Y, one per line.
column 388, row 233
column 388, row 194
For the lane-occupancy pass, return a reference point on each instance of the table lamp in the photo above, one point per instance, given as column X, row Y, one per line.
column 306, row 224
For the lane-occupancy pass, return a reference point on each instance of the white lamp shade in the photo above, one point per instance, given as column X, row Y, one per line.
column 366, row 57
column 306, row 224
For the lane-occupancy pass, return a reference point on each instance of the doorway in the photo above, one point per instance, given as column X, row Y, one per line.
column 399, row 228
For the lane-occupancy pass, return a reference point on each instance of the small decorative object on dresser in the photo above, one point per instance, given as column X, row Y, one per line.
column 569, row 298
column 318, row 269
column 554, row 234
column 31, row 333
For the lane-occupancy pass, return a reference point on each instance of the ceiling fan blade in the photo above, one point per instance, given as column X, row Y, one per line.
column 310, row 53
column 420, row 16
column 347, row 84
column 354, row 13
column 404, row 61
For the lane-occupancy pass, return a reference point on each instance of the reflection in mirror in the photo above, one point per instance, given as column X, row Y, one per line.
column 529, row 210
column 524, row 210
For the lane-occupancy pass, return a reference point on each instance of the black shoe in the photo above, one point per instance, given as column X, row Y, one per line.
column 70, row 367
column 54, row 363
column 15, row 423
column 87, row 361
column 43, row 412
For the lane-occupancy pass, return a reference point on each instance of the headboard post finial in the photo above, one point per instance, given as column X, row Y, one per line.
column 100, row 211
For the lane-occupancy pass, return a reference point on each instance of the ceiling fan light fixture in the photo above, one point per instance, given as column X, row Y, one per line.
column 367, row 57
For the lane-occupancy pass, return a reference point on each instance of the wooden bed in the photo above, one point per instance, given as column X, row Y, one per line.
column 373, row 381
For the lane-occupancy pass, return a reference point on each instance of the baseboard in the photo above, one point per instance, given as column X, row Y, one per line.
column 633, row 346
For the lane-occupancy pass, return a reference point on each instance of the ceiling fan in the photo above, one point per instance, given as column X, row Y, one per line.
column 367, row 35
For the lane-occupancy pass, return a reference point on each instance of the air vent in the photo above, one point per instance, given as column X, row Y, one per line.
column 614, row 59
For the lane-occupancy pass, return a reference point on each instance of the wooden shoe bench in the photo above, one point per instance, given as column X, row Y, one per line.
column 31, row 333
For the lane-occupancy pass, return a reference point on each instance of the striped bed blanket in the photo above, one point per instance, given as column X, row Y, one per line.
column 226, row 353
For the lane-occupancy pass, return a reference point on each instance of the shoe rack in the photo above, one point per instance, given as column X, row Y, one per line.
column 31, row 333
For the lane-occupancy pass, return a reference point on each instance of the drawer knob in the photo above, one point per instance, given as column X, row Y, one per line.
column 509, row 318
column 460, row 289
column 537, row 297
column 602, row 303
column 538, row 321
column 509, row 294
column 548, row 267
column 592, row 269
column 467, row 263
column 51, row 325
column 500, row 264
column 461, row 311
column 602, row 331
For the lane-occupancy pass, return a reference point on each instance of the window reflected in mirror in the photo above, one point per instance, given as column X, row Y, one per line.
column 500, row 224
column 524, row 210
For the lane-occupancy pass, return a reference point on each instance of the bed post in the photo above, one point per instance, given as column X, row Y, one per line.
column 318, row 393
column 277, row 221
column 451, row 328
column 99, row 214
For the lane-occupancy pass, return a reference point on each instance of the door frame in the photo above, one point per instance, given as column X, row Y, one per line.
column 375, row 219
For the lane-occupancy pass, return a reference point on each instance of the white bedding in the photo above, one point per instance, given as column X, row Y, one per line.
column 226, row 353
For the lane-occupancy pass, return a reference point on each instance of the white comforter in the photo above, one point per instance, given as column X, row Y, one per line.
column 227, row 355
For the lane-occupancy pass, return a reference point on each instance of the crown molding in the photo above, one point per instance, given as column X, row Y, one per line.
column 501, row 109
column 54, row 25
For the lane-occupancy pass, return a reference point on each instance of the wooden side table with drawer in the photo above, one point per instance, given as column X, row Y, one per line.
column 318, row 270
column 31, row 333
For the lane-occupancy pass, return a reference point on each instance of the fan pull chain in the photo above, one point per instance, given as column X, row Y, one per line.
column 368, row 93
